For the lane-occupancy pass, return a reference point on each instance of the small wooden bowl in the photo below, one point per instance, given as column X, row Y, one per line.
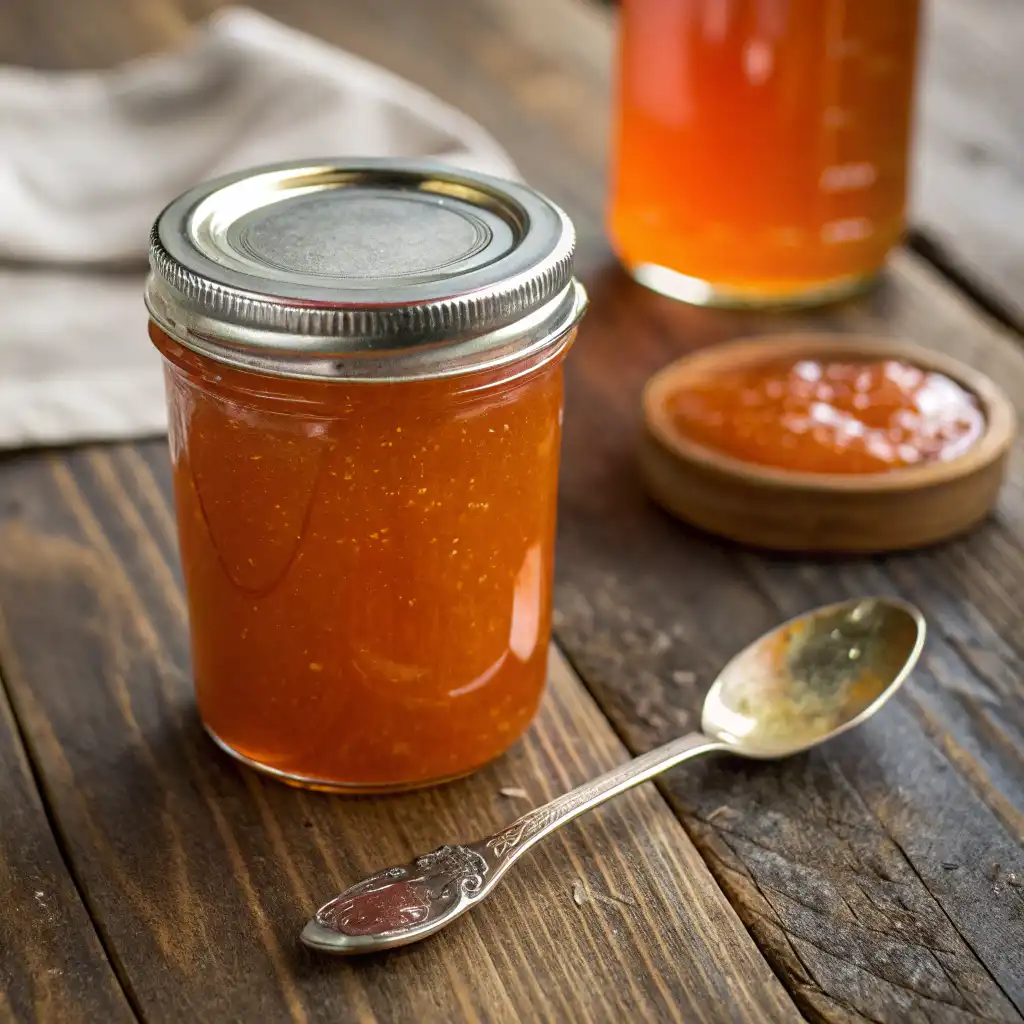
column 798, row 511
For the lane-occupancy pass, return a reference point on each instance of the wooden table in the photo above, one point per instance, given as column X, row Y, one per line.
column 142, row 875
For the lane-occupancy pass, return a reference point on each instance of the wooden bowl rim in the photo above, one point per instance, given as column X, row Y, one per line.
column 1000, row 417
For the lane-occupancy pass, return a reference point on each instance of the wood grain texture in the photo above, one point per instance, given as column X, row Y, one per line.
column 880, row 877
column 968, row 187
column 648, row 611
column 836, row 861
column 52, row 966
column 201, row 873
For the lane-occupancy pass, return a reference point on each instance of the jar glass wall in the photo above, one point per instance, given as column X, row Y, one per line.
column 368, row 566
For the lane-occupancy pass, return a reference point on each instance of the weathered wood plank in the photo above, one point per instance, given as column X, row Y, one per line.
column 195, row 943
column 201, row 873
column 835, row 861
column 645, row 603
column 52, row 966
column 968, row 195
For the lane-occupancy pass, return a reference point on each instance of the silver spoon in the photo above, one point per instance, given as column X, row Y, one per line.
column 797, row 686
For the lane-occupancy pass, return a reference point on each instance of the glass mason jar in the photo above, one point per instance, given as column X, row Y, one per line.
column 364, row 379
column 761, row 145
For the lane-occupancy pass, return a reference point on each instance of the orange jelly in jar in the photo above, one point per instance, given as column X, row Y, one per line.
column 761, row 145
column 364, row 379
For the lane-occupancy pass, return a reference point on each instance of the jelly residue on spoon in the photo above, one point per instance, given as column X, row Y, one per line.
column 391, row 906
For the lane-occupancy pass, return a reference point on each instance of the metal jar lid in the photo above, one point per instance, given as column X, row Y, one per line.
column 363, row 270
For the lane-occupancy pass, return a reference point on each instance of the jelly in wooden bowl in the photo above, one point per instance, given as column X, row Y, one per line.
column 364, row 376
column 829, row 415
column 813, row 442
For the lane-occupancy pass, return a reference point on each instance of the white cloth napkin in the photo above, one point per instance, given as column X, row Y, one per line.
column 87, row 160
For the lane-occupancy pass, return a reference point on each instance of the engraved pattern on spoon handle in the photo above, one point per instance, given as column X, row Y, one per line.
column 514, row 840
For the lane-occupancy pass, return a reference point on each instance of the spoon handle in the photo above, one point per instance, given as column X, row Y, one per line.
column 406, row 903
column 514, row 840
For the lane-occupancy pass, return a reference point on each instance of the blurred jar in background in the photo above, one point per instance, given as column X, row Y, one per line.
column 761, row 145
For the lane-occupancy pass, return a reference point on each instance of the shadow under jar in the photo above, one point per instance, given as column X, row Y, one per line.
column 761, row 145
column 364, row 380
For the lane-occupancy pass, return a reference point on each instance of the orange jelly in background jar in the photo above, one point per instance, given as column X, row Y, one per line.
column 761, row 145
column 364, row 378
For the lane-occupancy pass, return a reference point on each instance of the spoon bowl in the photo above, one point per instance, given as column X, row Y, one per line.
column 797, row 686
column 813, row 677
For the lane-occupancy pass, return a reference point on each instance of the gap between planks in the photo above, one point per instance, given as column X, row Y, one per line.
column 25, row 760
